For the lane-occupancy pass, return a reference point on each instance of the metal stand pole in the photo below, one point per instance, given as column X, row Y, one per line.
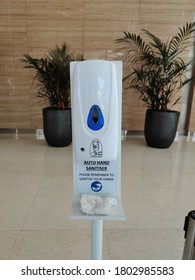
column 189, row 228
column 96, row 239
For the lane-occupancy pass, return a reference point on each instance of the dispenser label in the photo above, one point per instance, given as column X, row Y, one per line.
column 97, row 176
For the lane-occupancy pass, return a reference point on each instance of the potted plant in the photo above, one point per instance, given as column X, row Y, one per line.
column 52, row 73
column 158, row 72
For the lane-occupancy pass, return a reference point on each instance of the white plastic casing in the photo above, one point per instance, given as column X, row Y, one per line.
column 95, row 151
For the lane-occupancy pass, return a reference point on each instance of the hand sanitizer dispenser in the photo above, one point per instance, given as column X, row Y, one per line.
column 96, row 89
column 96, row 125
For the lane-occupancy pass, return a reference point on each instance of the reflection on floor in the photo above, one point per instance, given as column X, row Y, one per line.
column 36, row 194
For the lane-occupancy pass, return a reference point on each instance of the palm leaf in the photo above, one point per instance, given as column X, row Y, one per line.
column 156, row 69
column 182, row 40
column 53, row 75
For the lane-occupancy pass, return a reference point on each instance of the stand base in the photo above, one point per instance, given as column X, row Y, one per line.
column 116, row 214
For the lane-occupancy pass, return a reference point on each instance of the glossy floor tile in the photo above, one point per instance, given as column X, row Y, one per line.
column 36, row 195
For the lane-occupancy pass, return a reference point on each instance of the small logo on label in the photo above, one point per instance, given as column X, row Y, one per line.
column 96, row 149
column 96, row 186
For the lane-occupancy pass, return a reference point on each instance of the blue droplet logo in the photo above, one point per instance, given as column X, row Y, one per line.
column 96, row 186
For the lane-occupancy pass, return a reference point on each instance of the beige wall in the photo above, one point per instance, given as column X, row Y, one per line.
column 90, row 26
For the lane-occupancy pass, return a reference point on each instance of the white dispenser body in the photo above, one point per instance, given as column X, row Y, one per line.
column 96, row 125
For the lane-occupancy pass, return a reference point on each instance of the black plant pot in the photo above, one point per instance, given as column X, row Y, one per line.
column 160, row 128
column 57, row 127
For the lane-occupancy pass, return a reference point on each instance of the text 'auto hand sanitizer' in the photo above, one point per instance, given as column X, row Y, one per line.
column 96, row 126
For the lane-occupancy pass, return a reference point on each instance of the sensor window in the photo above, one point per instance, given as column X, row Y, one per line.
column 95, row 115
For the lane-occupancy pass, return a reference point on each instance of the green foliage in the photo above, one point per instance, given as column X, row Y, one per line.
column 53, row 75
column 157, row 70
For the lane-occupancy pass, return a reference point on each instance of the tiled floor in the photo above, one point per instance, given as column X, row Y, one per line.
column 36, row 194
